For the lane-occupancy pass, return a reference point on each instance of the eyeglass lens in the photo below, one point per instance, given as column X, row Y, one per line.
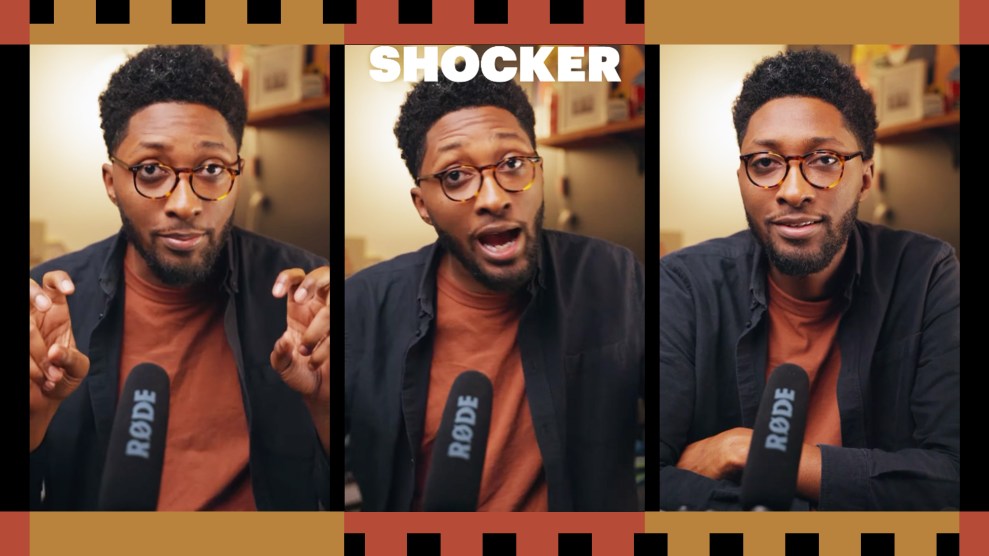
column 821, row 169
column 512, row 174
column 156, row 180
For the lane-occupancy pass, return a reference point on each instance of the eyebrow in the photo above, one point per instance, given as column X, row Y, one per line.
column 812, row 143
column 458, row 143
column 154, row 145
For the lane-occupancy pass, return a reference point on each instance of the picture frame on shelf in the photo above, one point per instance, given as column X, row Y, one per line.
column 900, row 93
column 583, row 105
column 275, row 75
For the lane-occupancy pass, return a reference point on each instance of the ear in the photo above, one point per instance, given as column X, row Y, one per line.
column 420, row 204
column 868, row 176
column 108, row 183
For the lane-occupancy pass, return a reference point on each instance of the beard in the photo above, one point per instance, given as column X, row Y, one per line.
column 806, row 263
column 508, row 281
column 189, row 272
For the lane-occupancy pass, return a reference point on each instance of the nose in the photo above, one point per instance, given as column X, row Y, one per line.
column 795, row 190
column 183, row 203
column 491, row 198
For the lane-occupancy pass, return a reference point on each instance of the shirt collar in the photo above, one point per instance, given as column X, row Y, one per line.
column 434, row 253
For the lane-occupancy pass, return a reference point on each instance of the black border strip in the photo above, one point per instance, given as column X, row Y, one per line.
column 337, row 275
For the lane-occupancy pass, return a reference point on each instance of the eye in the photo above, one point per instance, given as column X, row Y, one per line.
column 211, row 169
column 823, row 159
column 765, row 163
column 511, row 164
column 150, row 170
column 457, row 177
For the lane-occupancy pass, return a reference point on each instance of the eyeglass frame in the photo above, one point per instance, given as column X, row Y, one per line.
column 843, row 158
column 234, row 170
column 535, row 159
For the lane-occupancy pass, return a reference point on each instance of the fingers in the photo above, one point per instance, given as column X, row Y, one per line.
column 69, row 360
column 63, row 372
column 281, row 354
column 286, row 280
column 306, row 286
column 55, row 285
column 320, row 355
column 316, row 332
column 296, row 375
column 39, row 350
column 316, row 282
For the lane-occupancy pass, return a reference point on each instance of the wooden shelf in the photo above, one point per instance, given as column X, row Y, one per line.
column 634, row 128
column 289, row 113
column 902, row 132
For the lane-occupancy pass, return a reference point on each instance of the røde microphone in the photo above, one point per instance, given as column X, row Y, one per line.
column 770, row 475
column 132, row 472
column 454, row 477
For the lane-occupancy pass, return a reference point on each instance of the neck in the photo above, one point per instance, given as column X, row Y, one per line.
column 813, row 287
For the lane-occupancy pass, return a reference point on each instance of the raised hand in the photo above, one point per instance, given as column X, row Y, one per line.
column 57, row 367
column 302, row 354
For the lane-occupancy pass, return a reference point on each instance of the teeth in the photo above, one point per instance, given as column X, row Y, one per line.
column 499, row 248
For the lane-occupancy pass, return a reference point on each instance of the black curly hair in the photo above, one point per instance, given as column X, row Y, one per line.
column 428, row 101
column 156, row 74
column 809, row 73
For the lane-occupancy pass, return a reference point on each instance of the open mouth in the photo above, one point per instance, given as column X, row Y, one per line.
column 500, row 245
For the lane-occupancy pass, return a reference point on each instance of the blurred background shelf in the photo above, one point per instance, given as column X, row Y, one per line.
column 633, row 128
column 901, row 132
column 290, row 113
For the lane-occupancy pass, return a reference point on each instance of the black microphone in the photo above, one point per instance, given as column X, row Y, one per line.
column 454, row 478
column 770, row 475
column 132, row 472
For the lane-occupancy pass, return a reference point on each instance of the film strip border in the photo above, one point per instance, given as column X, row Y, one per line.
column 480, row 22
column 333, row 11
column 331, row 21
column 546, row 534
column 656, row 544
column 658, row 534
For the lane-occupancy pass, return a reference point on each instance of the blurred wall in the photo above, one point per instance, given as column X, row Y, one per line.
column 698, row 152
column 377, row 204
column 66, row 143
column 919, row 185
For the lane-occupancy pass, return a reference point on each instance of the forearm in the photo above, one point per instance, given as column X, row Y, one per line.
column 39, row 422
column 809, row 473
column 321, row 421
column 874, row 479
column 681, row 489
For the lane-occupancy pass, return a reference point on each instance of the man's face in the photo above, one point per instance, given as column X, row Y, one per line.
column 179, row 238
column 802, row 227
column 494, row 238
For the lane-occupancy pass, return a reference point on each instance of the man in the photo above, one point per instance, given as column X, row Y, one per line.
column 239, row 322
column 871, row 314
column 553, row 319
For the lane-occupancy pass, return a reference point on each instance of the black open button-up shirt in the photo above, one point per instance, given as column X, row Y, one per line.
column 898, row 387
column 581, row 340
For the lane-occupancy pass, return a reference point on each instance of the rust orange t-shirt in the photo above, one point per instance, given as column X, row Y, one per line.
column 478, row 331
column 206, row 450
column 805, row 333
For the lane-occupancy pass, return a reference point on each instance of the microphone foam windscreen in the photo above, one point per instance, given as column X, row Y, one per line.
column 454, row 478
column 770, row 475
column 132, row 472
